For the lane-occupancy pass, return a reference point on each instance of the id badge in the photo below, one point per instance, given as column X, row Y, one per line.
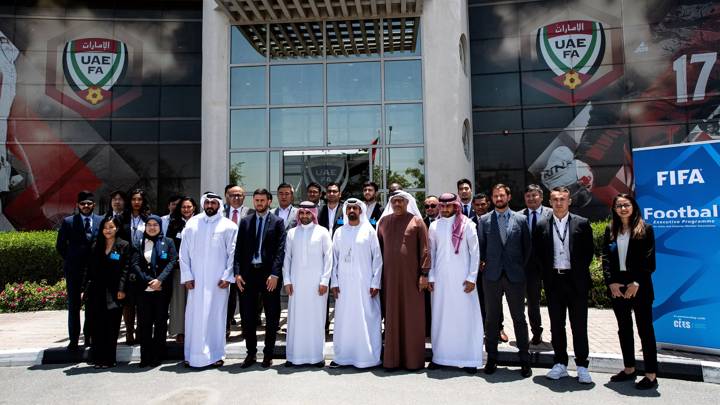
column 163, row 255
column 114, row 256
column 372, row 221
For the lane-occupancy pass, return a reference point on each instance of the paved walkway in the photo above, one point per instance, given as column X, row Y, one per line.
column 48, row 329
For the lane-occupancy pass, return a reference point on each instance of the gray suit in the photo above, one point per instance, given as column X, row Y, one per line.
column 292, row 217
column 504, row 273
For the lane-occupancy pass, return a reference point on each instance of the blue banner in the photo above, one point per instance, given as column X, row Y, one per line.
column 678, row 190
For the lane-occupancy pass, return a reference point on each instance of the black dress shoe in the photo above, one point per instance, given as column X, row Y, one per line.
column 536, row 339
column 288, row 364
column 320, row 364
column 490, row 366
column 73, row 346
column 267, row 362
column 433, row 366
column 525, row 370
column 623, row 376
column 334, row 365
column 646, row 384
column 248, row 362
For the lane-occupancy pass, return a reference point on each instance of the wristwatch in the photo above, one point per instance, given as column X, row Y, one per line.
column 635, row 283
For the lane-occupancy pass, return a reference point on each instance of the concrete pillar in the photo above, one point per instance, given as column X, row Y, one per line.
column 446, row 94
column 215, row 82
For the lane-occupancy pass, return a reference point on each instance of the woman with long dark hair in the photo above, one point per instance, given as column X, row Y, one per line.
column 134, row 229
column 628, row 263
column 112, row 259
column 185, row 209
column 156, row 259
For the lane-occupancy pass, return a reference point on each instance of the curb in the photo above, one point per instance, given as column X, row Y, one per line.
column 610, row 363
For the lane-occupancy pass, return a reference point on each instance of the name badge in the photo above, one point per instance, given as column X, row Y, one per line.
column 163, row 255
column 114, row 256
column 340, row 221
column 372, row 221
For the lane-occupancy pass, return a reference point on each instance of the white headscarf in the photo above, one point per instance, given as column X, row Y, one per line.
column 411, row 208
column 363, row 208
column 209, row 196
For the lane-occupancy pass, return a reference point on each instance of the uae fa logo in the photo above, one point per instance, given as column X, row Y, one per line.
column 572, row 49
column 93, row 65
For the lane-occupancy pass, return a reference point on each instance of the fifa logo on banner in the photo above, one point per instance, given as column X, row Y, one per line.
column 680, row 177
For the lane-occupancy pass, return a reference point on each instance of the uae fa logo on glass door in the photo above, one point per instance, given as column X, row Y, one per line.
column 572, row 49
column 93, row 65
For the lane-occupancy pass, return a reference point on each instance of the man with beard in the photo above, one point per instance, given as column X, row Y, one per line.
column 505, row 249
column 374, row 209
column 258, row 268
column 74, row 240
column 404, row 245
column 356, row 279
column 306, row 275
column 206, row 269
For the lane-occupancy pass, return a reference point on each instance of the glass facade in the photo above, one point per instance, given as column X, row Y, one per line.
column 99, row 97
column 325, row 102
column 563, row 90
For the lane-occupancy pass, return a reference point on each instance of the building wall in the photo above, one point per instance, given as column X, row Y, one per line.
column 653, row 82
column 68, row 124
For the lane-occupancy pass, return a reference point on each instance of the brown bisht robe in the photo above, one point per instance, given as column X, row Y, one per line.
column 404, row 244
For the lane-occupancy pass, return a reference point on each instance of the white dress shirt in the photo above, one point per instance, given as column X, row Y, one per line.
column 331, row 216
column 284, row 213
column 623, row 240
column 561, row 249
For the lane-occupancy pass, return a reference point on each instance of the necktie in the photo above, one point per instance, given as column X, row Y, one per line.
column 235, row 216
column 88, row 230
column 465, row 210
column 258, row 236
column 534, row 221
column 502, row 224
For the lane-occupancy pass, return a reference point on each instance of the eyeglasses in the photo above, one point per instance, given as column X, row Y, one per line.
column 621, row 206
column 430, row 206
column 86, row 203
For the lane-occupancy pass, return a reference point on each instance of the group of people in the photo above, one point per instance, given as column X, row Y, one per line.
column 395, row 276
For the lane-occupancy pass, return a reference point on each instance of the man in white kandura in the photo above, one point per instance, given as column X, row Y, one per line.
column 206, row 268
column 306, row 275
column 457, row 330
column 357, row 272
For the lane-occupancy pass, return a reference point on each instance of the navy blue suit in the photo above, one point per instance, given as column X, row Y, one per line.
column 74, row 247
column 272, row 256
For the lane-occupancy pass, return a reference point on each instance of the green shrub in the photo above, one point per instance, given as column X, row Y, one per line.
column 598, row 230
column 22, row 297
column 598, row 291
column 29, row 256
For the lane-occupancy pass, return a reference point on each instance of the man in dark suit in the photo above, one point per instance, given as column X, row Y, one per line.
column 374, row 208
column 563, row 246
column 234, row 211
column 259, row 256
column 74, row 242
column 505, row 249
column 534, row 212
column 464, row 191
column 331, row 216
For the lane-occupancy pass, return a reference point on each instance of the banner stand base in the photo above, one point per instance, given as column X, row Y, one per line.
column 689, row 349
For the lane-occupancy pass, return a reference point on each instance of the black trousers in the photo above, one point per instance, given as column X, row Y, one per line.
column 74, row 304
column 255, row 287
column 643, row 317
column 233, row 300
column 105, row 330
column 563, row 298
column 152, row 324
column 534, row 287
column 515, row 293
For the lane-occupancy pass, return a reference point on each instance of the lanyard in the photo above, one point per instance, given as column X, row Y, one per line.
column 565, row 231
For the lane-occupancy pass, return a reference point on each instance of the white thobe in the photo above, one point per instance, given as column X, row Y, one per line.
column 308, row 264
column 357, row 267
column 206, row 257
column 457, row 330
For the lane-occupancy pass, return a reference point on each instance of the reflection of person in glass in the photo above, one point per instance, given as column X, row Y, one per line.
column 564, row 170
column 8, row 78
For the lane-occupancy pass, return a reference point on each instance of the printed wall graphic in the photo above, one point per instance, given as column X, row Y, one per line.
column 86, row 105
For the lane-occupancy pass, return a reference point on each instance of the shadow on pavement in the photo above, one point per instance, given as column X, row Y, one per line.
column 568, row 384
column 628, row 389
column 502, row 375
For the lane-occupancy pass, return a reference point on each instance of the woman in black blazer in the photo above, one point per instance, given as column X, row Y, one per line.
column 112, row 259
column 628, row 263
column 156, row 260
